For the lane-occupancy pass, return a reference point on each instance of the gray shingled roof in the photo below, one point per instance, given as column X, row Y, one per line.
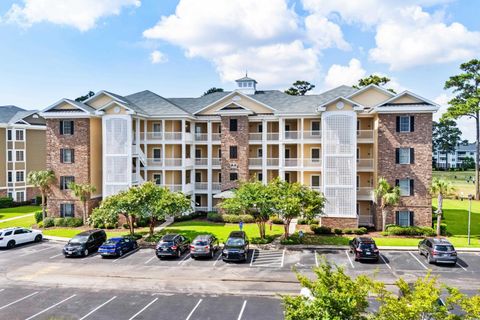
column 469, row 147
column 154, row 105
column 246, row 78
column 20, row 115
column 8, row 112
column 82, row 105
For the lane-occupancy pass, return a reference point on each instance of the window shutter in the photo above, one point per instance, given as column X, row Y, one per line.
column 412, row 187
column 398, row 124
column 61, row 126
column 397, row 155
column 411, row 219
column 61, row 155
column 62, row 208
column 61, row 183
column 73, row 155
column 397, row 218
column 412, row 123
column 397, row 182
column 72, row 126
column 412, row 155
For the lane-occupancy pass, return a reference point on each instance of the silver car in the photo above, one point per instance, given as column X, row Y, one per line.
column 437, row 250
column 204, row 246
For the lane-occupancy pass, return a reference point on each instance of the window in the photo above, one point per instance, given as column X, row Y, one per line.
column 20, row 176
column 66, row 127
column 9, row 155
column 67, row 156
column 157, row 154
column 20, row 196
column 19, row 155
column 67, row 210
column 65, row 180
column 259, row 152
column 233, row 152
column 406, row 187
column 259, row 176
column 315, row 128
column 198, row 200
column 315, row 155
column 157, row 178
column 404, row 155
column 10, row 176
column 10, row 195
column 19, row 135
column 198, row 153
column 233, row 176
column 260, row 127
column 287, row 176
column 198, row 176
column 404, row 218
column 220, row 152
column 9, row 134
column 405, row 124
column 219, row 177
column 315, row 181
column 233, row 124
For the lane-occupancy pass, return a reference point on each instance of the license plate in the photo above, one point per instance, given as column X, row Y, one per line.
column 369, row 253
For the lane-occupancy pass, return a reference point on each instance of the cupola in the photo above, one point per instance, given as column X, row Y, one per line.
column 246, row 85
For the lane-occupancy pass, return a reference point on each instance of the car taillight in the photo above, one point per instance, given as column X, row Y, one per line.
column 206, row 247
column 376, row 250
column 434, row 253
column 174, row 247
column 359, row 250
column 192, row 247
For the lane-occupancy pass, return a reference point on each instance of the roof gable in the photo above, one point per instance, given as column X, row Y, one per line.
column 240, row 100
column 67, row 105
column 371, row 95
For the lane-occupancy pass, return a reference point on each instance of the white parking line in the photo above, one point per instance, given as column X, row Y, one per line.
column 90, row 256
column 21, row 299
column 85, row 316
column 385, row 261
column 241, row 311
column 461, row 266
column 253, row 255
column 193, row 310
column 146, row 262
column 425, row 267
column 126, row 255
column 184, row 259
column 144, row 308
column 51, row 307
column 316, row 257
column 349, row 259
column 218, row 259
column 57, row 255
column 1, row 290
column 36, row 251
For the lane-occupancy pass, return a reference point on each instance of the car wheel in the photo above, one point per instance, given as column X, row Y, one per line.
column 179, row 253
column 356, row 258
column 135, row 246
column 212, row 254
column 85, row 253
column 38, row 238
column 10, row 244
column 120, row 253
column 420, row 252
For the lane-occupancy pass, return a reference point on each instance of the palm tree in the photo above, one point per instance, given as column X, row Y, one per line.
column 42, row 179
column 82, row 192
column 386, row 197
column 440, row 188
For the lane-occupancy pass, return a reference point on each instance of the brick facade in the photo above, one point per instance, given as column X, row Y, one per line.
column 237, row 138
column 339, row 223
column 80, row 169
column 420, row 171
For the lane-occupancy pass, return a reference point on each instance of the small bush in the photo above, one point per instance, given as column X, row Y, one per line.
column 59, row 222
column 73, row 222
column 292, row 239
column 48, row 222
column 246, row 218
column 409, row 231
column 320, row 229
column 6, row 202
column 231, row 218
column 191, row 216
column 303, row 221
column 21, row 203
column 124, row 226
column 40, row 224
column 360, row 231
column 135, row 236
column 109, row 226
column 38, row 216
column 337, row 231
column 38, row 200
column 276, row 220
column 348, row 231
column 214, row 216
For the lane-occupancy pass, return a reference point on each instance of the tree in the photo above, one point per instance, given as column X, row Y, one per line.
column 212, row 90
column 469, row 305
column 42, row 180
column 85, row 97
column 333, row 295
column 440, row 188
column 373, row 79
column 299, row 88
column 446, row 137
column 468, row 163
column 466, row 103
column 83, row 192
column 385, row 197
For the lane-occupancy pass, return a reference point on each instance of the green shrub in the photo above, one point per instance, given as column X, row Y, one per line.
column 38, row 216
column 109, row 226
column 139, row 222
column 276, row 220
column 337, row 231
column 38, row 200
column 191, row 216
column 135, row 236
column 246, row 218
column 320, row 229
column 304, row 221
column 6, row 202
column 360, row 231
column 409, row 231
column 40, row 224
column 48, row 222
column 443, row 229
column 214, row 216
column 348, row 231
column 73, row 222
column 292, row 239
column 231, row 218
column 59, row 222
column 125, row 226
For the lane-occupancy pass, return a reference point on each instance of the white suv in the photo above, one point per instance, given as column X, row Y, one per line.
column 10, row 237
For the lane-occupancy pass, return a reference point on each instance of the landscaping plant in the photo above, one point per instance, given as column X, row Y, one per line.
column 42, row 180
column 386, row 197
column 440, row 188
column 83, row 192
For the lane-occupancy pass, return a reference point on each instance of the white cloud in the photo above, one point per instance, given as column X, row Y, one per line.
column 158, row 57
column 324, row 33
column 466, row 125
column 349, row 75
column 80, row 14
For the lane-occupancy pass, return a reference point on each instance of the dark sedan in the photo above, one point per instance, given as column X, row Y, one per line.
column 364, row 248
column 117, row 247
column 172, row 245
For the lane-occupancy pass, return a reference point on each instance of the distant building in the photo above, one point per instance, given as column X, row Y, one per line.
column 456, row 158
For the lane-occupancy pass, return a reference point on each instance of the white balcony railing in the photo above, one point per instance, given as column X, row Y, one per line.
column 201, row 161
column 201, row 209
column 317, row 188
column 364, row 164
column 366, row 135
column 312, row 135
column 272, row 162
column 200, row 136
column 255, row 161
column 216, row 136
column 313, row 162
column 365, row 192
column 255, row 136
column 173, row 162
column 291, row 135
column 174, row 187
column 154, row 162
column 291, row 162
column 216, row 186
column 201, row 185
column 272, row 136
column 216, row 161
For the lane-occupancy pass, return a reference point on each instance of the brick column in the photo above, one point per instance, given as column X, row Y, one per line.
column 237, row 138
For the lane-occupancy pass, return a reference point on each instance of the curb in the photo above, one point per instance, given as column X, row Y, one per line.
column 389, row 248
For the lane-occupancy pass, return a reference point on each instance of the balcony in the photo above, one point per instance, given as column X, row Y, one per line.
column 272, row 162
column 201, row 209
column 166, row 136
column 201, row 161
column 365, row 165
column 216, row 161
column 255, row 162
column 312, row 163
column 365, row 193
column 364, row 136
column 216, row 137
column 317, row 188
column 312, row 135
column 255, row 136
column 201, row 185
column 199, row 137
column 174, row 187
column 169, row 162
column 272, row 136
column 291, row 135
column 291, row 162
column 216, row 186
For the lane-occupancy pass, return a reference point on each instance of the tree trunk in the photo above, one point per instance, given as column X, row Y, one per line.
column 84, row 212
column 439, row 214
column 286, row 226
column 261, row 230
column 384, row 218
column 130, row 224
column 44, row 211
column 153, row 221
column 477, row 175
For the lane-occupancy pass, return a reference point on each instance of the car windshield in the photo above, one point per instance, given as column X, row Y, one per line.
column 235, row 242
column 444, row 248
column 78, row 239
column 367, row 246
column 200, row 243
column 111, row 241
column 166, row 243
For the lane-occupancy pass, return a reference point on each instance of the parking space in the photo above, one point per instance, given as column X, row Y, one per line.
column 21, row 303
column 267, row 258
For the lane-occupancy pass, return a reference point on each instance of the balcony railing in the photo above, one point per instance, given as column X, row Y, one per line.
column 272, row 136
column 201, row 185
column 312, row 135
column 216, row 137
column 291, row 135
column 317, row 188
column 365, row 135
column 255, row 136
column 201, row 161
column 155, row 162
column 216, row 161
column 365, row 220
column 200, row 136
column 174, row 187
column 272, row 162
column 314, row 162
column 365, row 192
column 216, row 186
column 255, row 161
column 291, row 162
column 364, row 164
column 201, row 209
column 169, row 162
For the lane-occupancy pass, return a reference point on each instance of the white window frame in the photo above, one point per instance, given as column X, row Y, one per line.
column 17, row 152
column 11, row 135
column 21, row 132
column 311, row 155
column 69, row 130
column 316, row 132
column 10, row 157
column 201, row 176
column 153, row 155
column 10, row 176
column 400, row 218
column 259, row 152
column 22, row 196
column 402, row 125
column 23, row 175
column 406, row 158
column 72, row 208
column 404, row 192
column 63, row 155
column 154, row 132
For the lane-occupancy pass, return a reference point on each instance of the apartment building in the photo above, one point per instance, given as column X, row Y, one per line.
column 338, row 142
column 456, row 158
column 22, row 149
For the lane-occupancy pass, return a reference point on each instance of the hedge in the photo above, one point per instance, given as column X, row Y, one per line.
column 276, row 220
column 6, row 202
column 214, row 216
column 320, row 229
column 303, row 221
column 229, row 218
column 191, row 216
column 66, row 222
column 48, row 222
column 409, row 231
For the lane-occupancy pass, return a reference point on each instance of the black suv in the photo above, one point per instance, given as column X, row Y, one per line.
column 172, row 245
column 364, row 248
column 236, row 247
column 84, row 243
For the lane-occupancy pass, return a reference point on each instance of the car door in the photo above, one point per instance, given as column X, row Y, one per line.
column 90, row 243
column 19, row 236
column 29, row 235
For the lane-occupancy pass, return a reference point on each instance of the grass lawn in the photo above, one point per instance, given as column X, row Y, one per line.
column 71, row 232
column 455, row 215
column 21, row 222
column 7, row 213
column 191, row 229
column 458, row 180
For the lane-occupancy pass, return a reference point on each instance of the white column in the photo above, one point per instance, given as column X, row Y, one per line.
column 264, row 151
column 184, row 156
column 209, row 166
column 281, row 148
column 145, row 146
column 192, row 158
column 301, row 150
column 164, row 150
column 137, row 146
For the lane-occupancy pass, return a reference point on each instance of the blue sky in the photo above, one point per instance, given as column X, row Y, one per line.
column 53, row 49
